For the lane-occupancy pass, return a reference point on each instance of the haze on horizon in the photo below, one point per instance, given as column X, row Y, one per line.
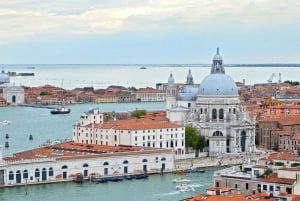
column 149, row 31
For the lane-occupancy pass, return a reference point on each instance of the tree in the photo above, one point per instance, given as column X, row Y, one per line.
column 138, row 113
column 45, row 93
column 191, row 137
column 201, row 143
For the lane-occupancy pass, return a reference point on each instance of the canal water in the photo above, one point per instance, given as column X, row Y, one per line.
column 43, row 126
column 156, row 187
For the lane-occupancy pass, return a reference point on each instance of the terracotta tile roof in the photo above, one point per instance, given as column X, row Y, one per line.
column 296, row 136
column 136, row 124
column 273, row 178
column 230, row 197
column 285, row 155
column 67, row 150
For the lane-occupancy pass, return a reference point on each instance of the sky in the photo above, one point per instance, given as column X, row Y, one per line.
column 149, row 31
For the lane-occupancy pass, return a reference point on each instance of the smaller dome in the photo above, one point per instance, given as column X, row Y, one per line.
column 4, row 78
column 188, row 93
column 171, row 80
column 218, row 56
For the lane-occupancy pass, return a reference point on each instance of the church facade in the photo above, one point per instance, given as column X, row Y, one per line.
column 214, row 108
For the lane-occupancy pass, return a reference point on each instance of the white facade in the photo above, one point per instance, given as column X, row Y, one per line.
column 214, row 108
column 45, row 169
column 132, row 132
column 13, row 94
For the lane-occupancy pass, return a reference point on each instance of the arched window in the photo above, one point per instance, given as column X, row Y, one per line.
column 25, row 174
column 105, row 163
column 11, row 175
column 217, row 133
column 37, row 172
column 145, row 160
column 214, row 114
column 125, row 162
column 221, row 114
column 85, row 165
column 64, row 167
column 51, row 172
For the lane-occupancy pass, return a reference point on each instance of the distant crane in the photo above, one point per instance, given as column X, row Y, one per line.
column 270, row 80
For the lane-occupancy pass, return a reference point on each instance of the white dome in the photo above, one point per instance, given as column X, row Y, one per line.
column 188, row 93
column 218, row 57
column 171, row 80
column 218, row 84
column 4, row 78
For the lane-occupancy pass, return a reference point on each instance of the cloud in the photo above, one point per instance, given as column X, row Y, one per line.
column 22, row 19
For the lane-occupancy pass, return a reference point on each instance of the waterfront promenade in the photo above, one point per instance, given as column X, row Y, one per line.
column 222, row 160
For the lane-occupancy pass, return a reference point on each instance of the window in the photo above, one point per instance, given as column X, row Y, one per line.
column 11, row 175
column 50, row 172
column 271, row 188
column 135, row 138
column 116, row 138
column 214, row 114
column 37, row 173
column 25, row 174
column 246, row 186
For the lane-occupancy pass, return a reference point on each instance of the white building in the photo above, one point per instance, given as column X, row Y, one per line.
column 62, row 162
column 214, row 108
column 13, row 94
column 154, row 131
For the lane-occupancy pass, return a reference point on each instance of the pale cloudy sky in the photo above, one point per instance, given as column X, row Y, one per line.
column 149, row 31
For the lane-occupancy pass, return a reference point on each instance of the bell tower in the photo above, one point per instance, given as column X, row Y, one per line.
column 170, row 94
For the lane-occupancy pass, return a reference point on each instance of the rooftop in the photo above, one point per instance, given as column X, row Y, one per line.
column 71, row 150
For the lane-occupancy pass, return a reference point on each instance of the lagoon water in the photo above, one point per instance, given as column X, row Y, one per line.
column 43, row 126
column 101, row 76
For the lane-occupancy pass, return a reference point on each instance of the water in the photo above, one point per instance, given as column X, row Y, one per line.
column 101, row 76
column 156, row 187
column 43, row 126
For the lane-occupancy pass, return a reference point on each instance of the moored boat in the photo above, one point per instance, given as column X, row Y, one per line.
column 61, row 110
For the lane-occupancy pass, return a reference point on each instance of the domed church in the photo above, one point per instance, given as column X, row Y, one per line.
column 214, row 108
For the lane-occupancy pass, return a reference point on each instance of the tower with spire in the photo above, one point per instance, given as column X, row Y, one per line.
column 217, row 65
column 170, row 94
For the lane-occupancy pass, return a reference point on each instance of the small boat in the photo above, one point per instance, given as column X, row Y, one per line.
column 128, row 177
column 61, row 110
column 180, row 180
column 180, row 172
column 6, row 136
column 185, row 188
column 4, row 122
column 79, row 178
column 100, row 180
column 141, row 176
column 143, row 67
column 115, row 179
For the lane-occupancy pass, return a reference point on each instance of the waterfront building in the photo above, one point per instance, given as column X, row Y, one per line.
column 63, row 161
column 230, row 194
column 11, row 93
column 152, row 130
column 150, row 95
column 214, row 108
column 275, row 173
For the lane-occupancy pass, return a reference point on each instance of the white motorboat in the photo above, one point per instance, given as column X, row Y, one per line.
column 185, row 188
column 4, row 122
column 180, row 180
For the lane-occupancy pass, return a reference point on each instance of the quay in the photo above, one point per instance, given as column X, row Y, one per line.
column 37, row 106
column 223, row 160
